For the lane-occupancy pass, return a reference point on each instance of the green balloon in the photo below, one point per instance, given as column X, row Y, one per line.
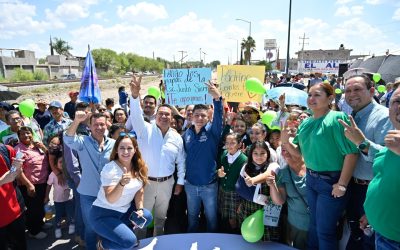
column 376, row 77
column 154, row 91
column 254, row 85
column 381, row 88
column 253, row 227
column 338, row 91
column 275, row 128
column 268, row 117
column 326, row 81
column 27, row 107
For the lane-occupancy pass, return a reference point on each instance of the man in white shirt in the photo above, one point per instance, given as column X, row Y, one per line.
column 162, row 148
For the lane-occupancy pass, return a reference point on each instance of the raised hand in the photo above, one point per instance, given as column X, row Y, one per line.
column 81, row 116
column 392, row 141
column 213, row 90
column 135, row 85
column 249, row 181
column 126, row 177
column 352, row 132
column 221, row 172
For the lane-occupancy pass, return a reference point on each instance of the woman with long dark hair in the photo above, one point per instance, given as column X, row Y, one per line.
column 122, row 181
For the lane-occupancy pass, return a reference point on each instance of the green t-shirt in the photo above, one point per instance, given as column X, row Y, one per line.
column 298, row 215
column 383, row 199
column 7, row 135
column 322, row 142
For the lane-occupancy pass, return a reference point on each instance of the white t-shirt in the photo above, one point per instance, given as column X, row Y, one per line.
column 60, row 193
column 110, row 176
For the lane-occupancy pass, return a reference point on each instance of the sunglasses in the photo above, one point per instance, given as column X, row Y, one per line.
column 131, row 134
column 248, row 112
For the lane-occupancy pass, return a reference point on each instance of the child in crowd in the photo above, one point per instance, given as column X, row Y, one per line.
column 232, row 161
column 255, row 172
column 123, row 97
column 63, row 200
column 274, row 139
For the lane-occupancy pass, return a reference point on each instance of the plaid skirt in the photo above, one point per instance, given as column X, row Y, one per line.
column 228, row 203
column 247, row 208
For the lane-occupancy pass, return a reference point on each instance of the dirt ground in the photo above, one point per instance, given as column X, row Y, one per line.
column 59, row 92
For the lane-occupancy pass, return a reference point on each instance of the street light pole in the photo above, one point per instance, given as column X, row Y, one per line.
column 239, row 19
column 288, row 39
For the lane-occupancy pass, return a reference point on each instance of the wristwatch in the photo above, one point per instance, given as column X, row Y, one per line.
column 363, row 145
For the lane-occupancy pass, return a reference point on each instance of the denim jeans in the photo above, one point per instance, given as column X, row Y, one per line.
column 113, row 229
column 325, row 211
column 383, row 243
column 79, row 225
column 354, row 211
column 90, row 234
column 67, row 208
column 208, row 195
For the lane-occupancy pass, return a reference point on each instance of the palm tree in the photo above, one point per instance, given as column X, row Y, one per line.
column 248, row 46
column 61, row 47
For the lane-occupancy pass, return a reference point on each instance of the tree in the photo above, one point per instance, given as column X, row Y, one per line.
column 214, row 64
column 268, row 65
column 248, row 46
column 61, row 47
column 105, row 59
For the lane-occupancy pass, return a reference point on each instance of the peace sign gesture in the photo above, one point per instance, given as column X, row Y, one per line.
column 135, row 86
column 352, row 132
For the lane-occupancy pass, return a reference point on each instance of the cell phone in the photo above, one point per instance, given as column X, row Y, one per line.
column 137, row 221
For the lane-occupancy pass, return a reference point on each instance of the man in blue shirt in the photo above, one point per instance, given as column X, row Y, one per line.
column 369, row 125
column 201, row 144
column 94, row 152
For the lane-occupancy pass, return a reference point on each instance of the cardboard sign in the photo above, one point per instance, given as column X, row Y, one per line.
column 232, row 79
column 186, row 86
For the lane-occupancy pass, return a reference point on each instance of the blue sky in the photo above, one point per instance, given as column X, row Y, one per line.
column 166, row 27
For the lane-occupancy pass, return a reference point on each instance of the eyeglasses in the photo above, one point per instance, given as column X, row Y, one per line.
column 131, row 134
column 247, row 112
column 17, row 119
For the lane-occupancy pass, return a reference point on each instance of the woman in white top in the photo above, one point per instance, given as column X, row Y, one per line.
column 122, row 181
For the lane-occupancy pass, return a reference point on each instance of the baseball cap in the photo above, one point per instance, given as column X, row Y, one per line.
column 55, row 104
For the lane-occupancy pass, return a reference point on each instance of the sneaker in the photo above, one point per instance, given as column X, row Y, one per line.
column 47, row 225
column 58, row 233
column 38, row 236
column 71, row 229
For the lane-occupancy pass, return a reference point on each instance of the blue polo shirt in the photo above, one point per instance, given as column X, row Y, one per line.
column 201, row 150
column 92, row 160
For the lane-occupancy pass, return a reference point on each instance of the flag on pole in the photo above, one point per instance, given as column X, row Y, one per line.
column 90, row 90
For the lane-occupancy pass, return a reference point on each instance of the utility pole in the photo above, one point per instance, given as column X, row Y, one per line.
column 200, row 58
column 182, row 51
column 302, row 49
column 204, row 54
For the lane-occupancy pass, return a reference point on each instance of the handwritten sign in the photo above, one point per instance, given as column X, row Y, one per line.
column 186, row 86
column 232, row 78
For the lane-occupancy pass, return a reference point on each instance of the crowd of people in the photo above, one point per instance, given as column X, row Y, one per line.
column 116, row 169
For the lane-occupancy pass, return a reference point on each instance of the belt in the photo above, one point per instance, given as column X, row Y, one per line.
column 159, row 179
column 324, row 175
column 361, row 182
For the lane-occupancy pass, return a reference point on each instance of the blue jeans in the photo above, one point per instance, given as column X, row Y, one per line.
column 206, row 194
column 66, row 207
column 90, row 234
column 325, row 211
column 113, row 229
column 79, row 225
column 354, row 211
column 383, row 243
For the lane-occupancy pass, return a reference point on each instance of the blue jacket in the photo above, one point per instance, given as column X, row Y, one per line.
column 201, row 150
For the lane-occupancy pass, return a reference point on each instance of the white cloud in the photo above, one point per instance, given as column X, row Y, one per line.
column 357, row 9
column 343, row 1
column 343, row 11
column 396, row 15
column 374, row 2
column 275, row 25
column 71, row 11
column 99, row 15
column 20, row 19
column 141, row 12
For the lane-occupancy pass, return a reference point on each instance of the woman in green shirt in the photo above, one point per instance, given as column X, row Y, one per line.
column 330, row 160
